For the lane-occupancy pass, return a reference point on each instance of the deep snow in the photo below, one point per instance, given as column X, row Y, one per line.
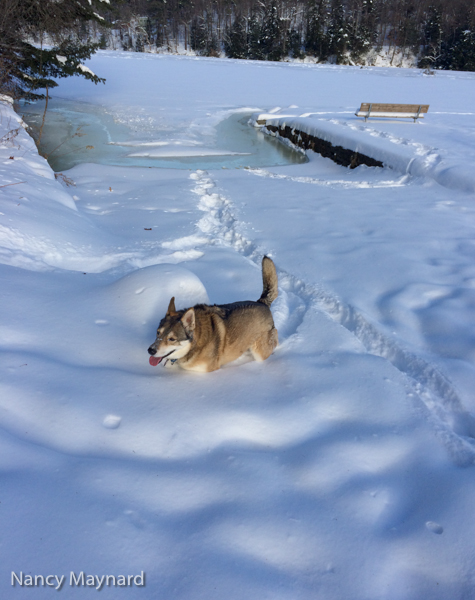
column 341, row 467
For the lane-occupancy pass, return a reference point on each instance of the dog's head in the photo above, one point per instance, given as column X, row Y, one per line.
column 174, row 335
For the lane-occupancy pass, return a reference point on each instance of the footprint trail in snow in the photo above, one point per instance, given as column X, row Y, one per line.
column 454, row 425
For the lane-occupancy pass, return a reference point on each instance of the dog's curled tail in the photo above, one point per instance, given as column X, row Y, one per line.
column 269, row 281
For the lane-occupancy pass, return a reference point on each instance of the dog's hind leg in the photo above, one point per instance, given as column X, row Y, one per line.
column 263, row 347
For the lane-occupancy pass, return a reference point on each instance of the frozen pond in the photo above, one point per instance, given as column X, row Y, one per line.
column 78, row 132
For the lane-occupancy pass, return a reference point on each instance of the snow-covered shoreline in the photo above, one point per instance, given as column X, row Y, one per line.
column 341, row 467
column 407, row 156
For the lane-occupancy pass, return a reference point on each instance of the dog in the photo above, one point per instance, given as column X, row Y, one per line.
column 204, row 338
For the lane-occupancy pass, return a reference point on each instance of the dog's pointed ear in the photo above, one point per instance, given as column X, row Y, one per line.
column 188, row 320
column 171, row 307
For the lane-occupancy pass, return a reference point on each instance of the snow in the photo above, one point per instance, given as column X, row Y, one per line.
column 83, row 68
column 341, row 467
column 415, row 155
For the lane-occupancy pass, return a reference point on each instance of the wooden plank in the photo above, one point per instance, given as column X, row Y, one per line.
column 400, row 108
column 401, row 115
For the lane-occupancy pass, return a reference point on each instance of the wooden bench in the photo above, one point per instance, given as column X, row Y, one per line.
column 392, row 111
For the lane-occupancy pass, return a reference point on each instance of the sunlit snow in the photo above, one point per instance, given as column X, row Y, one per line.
column 341, row 467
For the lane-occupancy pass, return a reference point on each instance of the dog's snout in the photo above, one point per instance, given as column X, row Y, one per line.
column 152, row 351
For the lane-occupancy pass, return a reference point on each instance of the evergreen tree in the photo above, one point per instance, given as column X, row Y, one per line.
column 361, row 29
column 202, row 37
column 294, row 44
column 431, row 39
column 150, row 34
column 408, row 35
column 139, row 43
column 235, row 41
column 254, row 46
column 337, row 33
column 157, row 21
column 40, row 42
column 316, row 42
column 213, row 48
column 271, row 32
column 103, row 42
column 198, row 36
column 433, row 27
column 459, row 52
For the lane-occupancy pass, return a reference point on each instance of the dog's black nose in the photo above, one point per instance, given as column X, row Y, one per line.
column 151, row 351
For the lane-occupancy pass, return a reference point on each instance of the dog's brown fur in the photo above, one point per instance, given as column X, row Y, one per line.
column 204, row 338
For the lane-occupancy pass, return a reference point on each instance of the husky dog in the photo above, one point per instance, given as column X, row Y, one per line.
column 204, row 338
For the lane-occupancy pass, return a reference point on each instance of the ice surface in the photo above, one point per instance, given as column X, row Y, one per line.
column 78, row 132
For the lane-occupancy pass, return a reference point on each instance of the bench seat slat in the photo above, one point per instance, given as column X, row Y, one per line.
column 401, row 115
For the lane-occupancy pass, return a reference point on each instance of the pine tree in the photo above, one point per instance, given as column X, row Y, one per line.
column 271, row 32
column 361, row 29
column 432, row 40
column 316, row 42
column 26, row 68
column 198, row 36
column 235, row 41
column 157, row 21
column 337, row 33
column 254, row 45
column 294, row 44
column 408, row 36
column 459, row 52
column 202, row 36
column 139, row 43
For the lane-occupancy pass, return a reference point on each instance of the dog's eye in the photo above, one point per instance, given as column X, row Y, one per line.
column 172, row 339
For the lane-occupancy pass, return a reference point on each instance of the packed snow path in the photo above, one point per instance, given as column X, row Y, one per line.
column 341, row 467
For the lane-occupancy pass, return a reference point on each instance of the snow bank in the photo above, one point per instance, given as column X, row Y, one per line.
column 26, row 165
column 40, row 226
column 404, row 155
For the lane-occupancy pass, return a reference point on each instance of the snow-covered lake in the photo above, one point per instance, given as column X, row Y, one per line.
column 343, row 466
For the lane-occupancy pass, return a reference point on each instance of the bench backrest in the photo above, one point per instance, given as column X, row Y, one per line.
column 394, row 108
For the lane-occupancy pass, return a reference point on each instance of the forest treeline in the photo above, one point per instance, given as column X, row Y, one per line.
column 440, row 33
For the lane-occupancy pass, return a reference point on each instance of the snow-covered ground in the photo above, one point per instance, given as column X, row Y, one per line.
column 341, row 467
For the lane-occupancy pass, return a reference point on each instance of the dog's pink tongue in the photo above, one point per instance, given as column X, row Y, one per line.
column 154, row 360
